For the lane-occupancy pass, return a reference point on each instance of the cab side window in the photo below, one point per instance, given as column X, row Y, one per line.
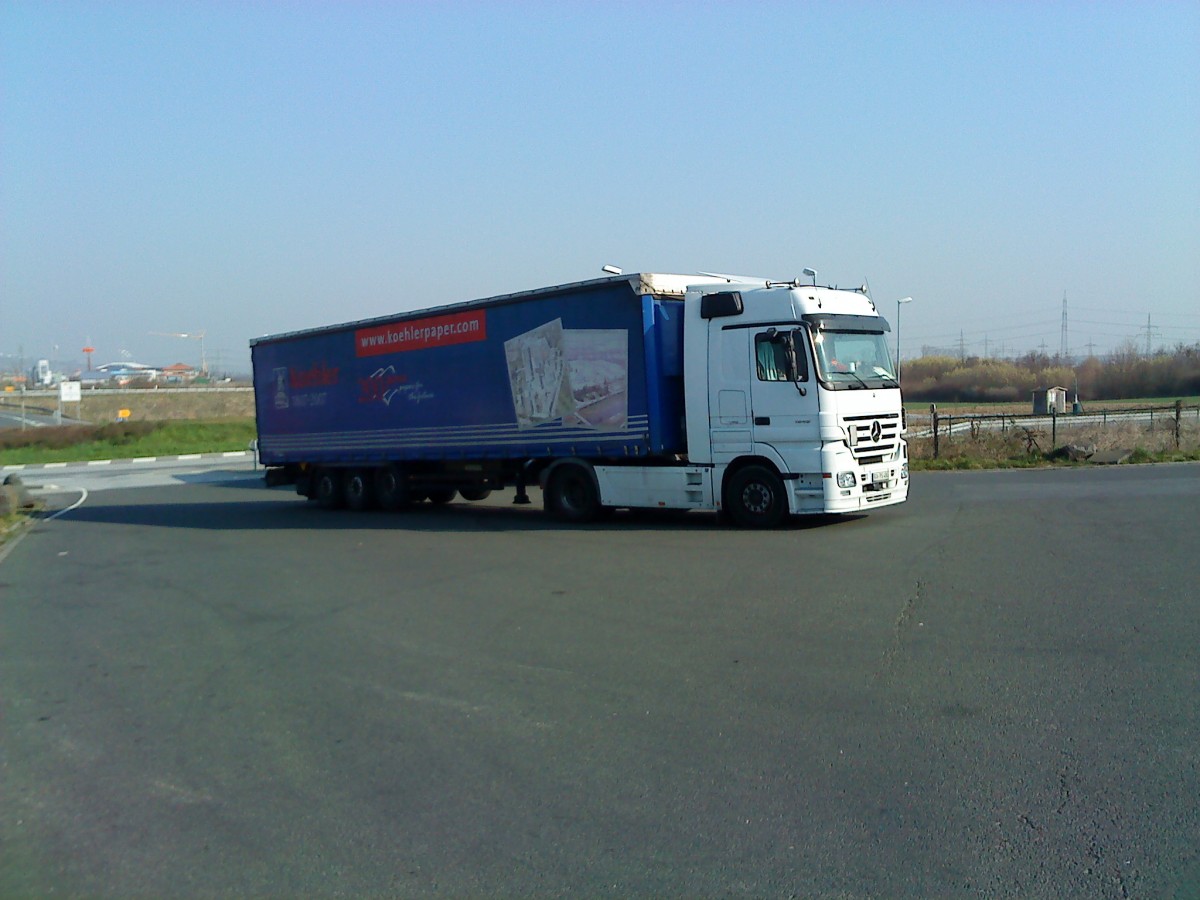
column 771, row 357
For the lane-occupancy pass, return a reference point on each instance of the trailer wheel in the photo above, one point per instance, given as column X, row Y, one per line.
column 360, row 494
column 571, row 495
column 754, row 498
column 391, row 490
column 475, row 493
column 441, row 496
column 329, row 489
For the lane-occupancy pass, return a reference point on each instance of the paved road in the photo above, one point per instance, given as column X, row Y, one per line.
column 110, row 474
column 13, row 416
column 989, row 691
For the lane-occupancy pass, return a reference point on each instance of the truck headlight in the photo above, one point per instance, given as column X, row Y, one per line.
column 845, row 479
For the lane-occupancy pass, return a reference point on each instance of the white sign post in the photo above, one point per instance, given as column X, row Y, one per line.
column 68, row 392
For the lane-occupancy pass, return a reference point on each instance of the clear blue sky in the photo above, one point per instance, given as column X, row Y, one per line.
column 248, row 168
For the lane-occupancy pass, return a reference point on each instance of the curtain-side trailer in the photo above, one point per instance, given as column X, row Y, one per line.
column 758, row 398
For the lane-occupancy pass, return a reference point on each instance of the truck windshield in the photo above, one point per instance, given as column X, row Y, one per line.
column 850, row 360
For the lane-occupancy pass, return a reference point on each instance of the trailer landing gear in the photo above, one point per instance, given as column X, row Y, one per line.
column 522, row 496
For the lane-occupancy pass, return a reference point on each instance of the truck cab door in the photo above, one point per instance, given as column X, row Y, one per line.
column 784, row 396
column 729, row 395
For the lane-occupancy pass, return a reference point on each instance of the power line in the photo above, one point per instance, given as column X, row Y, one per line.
column 1024, row 325
column 1161, row 315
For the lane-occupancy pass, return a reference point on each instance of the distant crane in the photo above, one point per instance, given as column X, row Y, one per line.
column 193, row 335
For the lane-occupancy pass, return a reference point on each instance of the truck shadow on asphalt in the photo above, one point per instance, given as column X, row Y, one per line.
column 295, row 514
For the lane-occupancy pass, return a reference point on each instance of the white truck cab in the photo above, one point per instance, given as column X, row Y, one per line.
column 792, row 386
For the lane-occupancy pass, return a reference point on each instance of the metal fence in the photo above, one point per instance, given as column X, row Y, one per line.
column 942, row 427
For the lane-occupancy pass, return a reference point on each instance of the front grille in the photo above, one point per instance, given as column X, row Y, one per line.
column 873, row 438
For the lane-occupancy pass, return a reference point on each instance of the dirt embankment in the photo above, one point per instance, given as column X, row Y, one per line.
column 156, row 406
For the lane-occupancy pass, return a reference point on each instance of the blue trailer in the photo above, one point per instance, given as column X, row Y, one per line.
column 581, row 388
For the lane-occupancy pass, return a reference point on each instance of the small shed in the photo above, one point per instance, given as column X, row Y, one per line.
column 1049, row 400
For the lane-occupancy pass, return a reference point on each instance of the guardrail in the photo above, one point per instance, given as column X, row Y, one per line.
column 947, row 424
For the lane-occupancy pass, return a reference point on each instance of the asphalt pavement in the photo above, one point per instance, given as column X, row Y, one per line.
column 15, row 416
column 212, row 688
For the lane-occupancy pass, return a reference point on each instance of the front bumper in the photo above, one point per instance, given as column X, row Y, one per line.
column 874, row 485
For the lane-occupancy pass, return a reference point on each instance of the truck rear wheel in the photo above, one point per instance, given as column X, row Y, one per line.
column 360, row 492
column 475, row 493
column 754, row 498
column 391, row 490
column 441, row 496
column 572, row 496
column 329, row 489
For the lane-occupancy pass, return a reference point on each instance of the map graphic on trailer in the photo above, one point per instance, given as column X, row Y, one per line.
column 579, row 377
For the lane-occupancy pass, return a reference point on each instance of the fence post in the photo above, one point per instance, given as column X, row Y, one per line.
column 1178, row 416
column 933, row 413
column 1053, row 426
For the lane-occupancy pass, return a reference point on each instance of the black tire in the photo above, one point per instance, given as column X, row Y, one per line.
column 755, row 498
column 441, row 496
column 474, row 493
column 329, row 489
column 391, row 490
column 360, row 490
column 572, row 496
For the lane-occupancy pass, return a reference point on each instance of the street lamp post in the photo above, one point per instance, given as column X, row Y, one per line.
column 898, row 302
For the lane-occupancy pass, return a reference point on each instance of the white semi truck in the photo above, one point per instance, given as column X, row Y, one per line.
column 758, row 398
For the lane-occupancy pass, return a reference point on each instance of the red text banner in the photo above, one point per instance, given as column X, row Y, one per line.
column 421, row 334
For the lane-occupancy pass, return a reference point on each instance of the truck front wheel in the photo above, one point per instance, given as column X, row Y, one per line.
column 571, row 495
column 754, row 498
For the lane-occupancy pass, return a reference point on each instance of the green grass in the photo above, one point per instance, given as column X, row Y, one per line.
column 11, row 524
column 124, row 440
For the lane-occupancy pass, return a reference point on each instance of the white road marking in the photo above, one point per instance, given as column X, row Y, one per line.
column 83, row 495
